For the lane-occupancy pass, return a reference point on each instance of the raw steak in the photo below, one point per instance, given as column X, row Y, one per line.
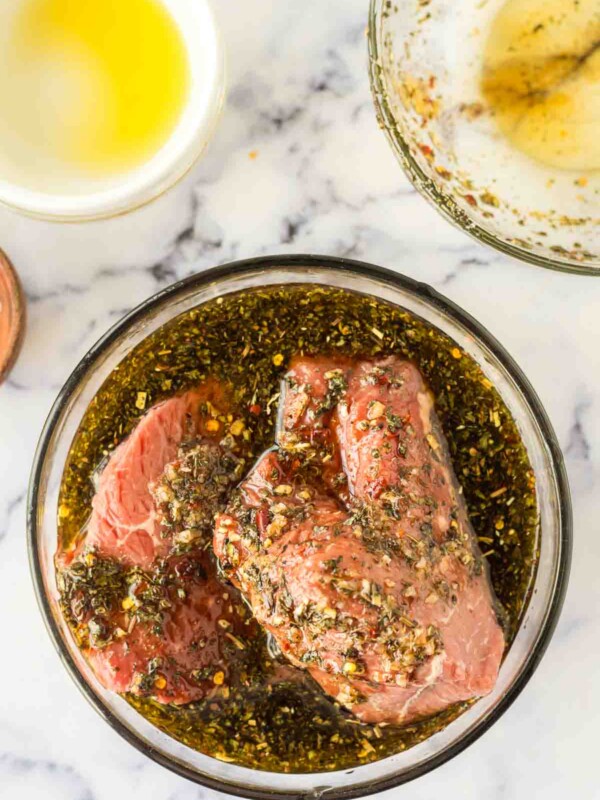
column 352, row 544
column 170, row 646
column 141, row 590
column 125, row 524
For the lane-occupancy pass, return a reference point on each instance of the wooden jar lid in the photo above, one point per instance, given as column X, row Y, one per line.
column 12, row 316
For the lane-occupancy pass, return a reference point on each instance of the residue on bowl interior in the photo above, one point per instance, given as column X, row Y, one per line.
column 541, row 80
column 497, row 104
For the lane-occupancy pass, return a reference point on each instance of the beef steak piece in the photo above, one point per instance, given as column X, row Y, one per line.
column 160, row 637
column 125, row 523
column 351, row 543
column 141, row 590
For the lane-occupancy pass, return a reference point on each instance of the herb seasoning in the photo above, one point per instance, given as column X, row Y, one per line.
column 276, row 718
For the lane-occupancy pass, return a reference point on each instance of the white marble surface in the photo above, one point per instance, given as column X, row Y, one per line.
column 323, row 180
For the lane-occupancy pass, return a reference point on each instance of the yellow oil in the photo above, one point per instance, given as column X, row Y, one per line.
column 541, row 79
column 88, row 87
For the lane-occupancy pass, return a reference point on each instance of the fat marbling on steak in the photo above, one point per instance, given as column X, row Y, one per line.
column 351, row 543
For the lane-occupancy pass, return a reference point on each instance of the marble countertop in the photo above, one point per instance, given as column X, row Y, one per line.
column 298, row 165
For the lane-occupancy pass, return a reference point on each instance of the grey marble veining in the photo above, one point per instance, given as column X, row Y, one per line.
column 298, row 165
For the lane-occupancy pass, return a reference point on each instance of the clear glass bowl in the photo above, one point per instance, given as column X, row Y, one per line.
column 555, row 539
column 425, row 64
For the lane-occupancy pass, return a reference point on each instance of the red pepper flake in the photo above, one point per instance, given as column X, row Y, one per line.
column 443, row 173
column 470, row 200
column 255, row 409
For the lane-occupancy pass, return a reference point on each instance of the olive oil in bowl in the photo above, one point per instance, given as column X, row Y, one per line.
column 96, row 92
column 88, row 71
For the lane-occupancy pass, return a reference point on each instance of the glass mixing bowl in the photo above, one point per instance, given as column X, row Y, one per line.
column 538, row 621
column 426, row 60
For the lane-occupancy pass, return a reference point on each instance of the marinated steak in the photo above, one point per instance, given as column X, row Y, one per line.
column 125, row 523
column 157, row 635
column 141, row 589
column 352, row 544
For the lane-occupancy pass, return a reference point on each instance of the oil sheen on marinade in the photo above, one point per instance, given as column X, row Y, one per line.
column 248, row 339
column 541, row 78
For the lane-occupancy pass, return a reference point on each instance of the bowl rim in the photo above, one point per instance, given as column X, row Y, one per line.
column 443, row 202
column 301, row 263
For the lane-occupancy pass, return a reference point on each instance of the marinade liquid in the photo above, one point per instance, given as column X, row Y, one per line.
column 274, row 723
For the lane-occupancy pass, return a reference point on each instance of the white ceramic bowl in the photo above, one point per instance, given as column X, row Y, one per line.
column 129, row 190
